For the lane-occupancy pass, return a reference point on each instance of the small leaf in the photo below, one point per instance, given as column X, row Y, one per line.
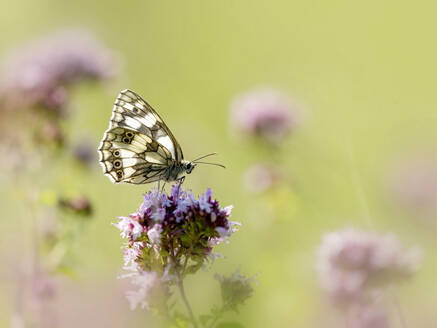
column 194, row 268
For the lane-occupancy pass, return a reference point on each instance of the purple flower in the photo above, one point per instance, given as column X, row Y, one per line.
column 171, row 235
column 353, row 263
column 266, row 113
column 154, row 234
column 131, row 254
column 130, row 227
column 175, row 213
column 205, row 202
column 37, row 73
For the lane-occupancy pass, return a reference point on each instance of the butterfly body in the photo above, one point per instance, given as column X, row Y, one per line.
column 176, row 171
column 138, row 147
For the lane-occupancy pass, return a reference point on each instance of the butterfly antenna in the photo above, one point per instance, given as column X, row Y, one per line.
column 216, row 164
column 204, row 156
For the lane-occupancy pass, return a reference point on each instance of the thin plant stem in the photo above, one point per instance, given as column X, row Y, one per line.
column 400, row 314
column 356, row 180
column 214, row 321
column 187, row 304
column 398, row 308
column 180, row 284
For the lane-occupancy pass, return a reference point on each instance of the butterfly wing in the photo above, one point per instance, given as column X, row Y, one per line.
column 137, row 147
column 131, row 105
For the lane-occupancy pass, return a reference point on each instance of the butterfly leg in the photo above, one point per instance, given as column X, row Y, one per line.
column 163, row 186
column 181, row 181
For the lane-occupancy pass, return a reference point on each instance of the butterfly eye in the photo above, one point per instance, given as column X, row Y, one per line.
column 117, row 163
column 189, row 167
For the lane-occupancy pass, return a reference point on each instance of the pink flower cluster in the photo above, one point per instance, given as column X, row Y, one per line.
column 265, row 113
column 260, row 178
column 352, row 264
column 413, row 184
column 37, row 74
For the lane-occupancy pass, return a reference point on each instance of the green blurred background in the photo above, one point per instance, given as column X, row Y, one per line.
column 363, row 75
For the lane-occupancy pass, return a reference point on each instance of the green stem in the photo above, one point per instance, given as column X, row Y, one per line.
column 218, row 315
column 213, row 322
column 187, row 304
column 180, row 284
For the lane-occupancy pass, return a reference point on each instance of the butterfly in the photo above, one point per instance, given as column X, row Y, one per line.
column 139, row 148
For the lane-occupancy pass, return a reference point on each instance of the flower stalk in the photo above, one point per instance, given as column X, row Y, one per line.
column 187, row 303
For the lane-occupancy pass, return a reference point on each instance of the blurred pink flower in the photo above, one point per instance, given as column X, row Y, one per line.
column 50, row 132
column 265, row 113
column 43, row 294
column 260, row 178
column 353, row 263
column 37, row 73
column 413, row 184
column 43, row 286
column 84, row 153
column 369, row 316
column 144, row 283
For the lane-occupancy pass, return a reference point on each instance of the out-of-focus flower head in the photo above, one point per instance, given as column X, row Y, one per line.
column 353, row 263
column 235, row 289
column 260, row 178
column 368, row 316
column 43, row 286
column 172, row 233
column 41, row 295
column 50, row 133
column 80, row 205
column 84, row 152
column 265, row 113
column 38, row 73
column 413, row 184
column 13, row 158
column 145, row 282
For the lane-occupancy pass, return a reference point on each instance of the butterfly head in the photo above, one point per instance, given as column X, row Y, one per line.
column 188, row 166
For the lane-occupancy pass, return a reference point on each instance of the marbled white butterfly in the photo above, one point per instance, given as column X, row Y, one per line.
column 138, row 147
